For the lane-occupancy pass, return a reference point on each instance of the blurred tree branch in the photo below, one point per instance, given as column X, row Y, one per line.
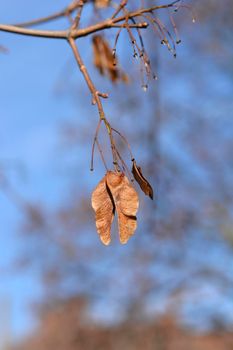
column 77, row 33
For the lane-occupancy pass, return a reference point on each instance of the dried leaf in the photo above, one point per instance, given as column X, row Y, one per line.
column 104, row 60
column 104, row 211
column 141, row 180
column 126, row 201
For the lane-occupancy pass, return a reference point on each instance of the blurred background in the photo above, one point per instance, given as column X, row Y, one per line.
column 171, row 286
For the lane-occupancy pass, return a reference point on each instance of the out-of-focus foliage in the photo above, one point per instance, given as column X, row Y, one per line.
column 183, row 133
column 67, row 327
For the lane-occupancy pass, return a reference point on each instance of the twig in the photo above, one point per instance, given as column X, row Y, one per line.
column 96, row 97
column 67, row 11
column 77, row 33
column 76, row 21
column 120, row 7
column 93, row 145
column 136, row 25
column 125, row 141
column 101, row 155
column 55, row 34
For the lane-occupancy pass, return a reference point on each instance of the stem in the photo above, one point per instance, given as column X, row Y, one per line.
column 96, row 97
column 80, row 5
column 67, row 11
column 93, row 145
column 120, row 7
column 101, row 155
column 55, row 34
column 125, row 141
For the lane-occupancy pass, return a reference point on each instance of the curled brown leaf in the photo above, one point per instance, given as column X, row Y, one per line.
column 105, row 61
column 141, row 180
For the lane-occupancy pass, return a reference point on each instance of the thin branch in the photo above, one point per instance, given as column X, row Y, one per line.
column 76, row 21
column 120, row 7
column 96, row 97
column 55, row 34
column 93, row 145
column 140, row 11
column 125, row 141
column 139, row 25
column 41, row 20
column 67, row 11
column 77, row 33
column 101, row 154
column 110, row 22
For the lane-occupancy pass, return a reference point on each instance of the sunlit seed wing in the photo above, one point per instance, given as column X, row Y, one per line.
column 104, row 211
column 127, row 226
column 126, row 202
column 129, row 201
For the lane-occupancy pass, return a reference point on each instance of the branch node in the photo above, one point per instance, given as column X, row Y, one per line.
column 82, row 67
column 102, row 94
column 93, row 102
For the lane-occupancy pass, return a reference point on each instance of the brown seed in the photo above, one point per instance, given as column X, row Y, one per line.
column 115, row 193
column 126, row 201
column 104, row 211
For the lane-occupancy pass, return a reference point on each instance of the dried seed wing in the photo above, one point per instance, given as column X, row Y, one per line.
column 126, row 202
column 97, row 53
column 127, row 226
column 141, row 180
column 105, row 61
column 129, row 201
column 114, row 182
column 104, row 211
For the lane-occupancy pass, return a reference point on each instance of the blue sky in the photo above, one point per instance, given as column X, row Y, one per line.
column 31, row 115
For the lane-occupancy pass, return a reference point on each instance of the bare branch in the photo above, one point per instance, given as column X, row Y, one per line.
column 77, row 33
column 55, row 34
column 66, row 12
column 96, row 97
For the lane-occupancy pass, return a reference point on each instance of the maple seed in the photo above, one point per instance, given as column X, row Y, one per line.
column 141, row 180
column 104, row 211
column 115, row 193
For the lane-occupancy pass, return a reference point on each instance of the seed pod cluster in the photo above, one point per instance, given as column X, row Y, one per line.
column 114, row 193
